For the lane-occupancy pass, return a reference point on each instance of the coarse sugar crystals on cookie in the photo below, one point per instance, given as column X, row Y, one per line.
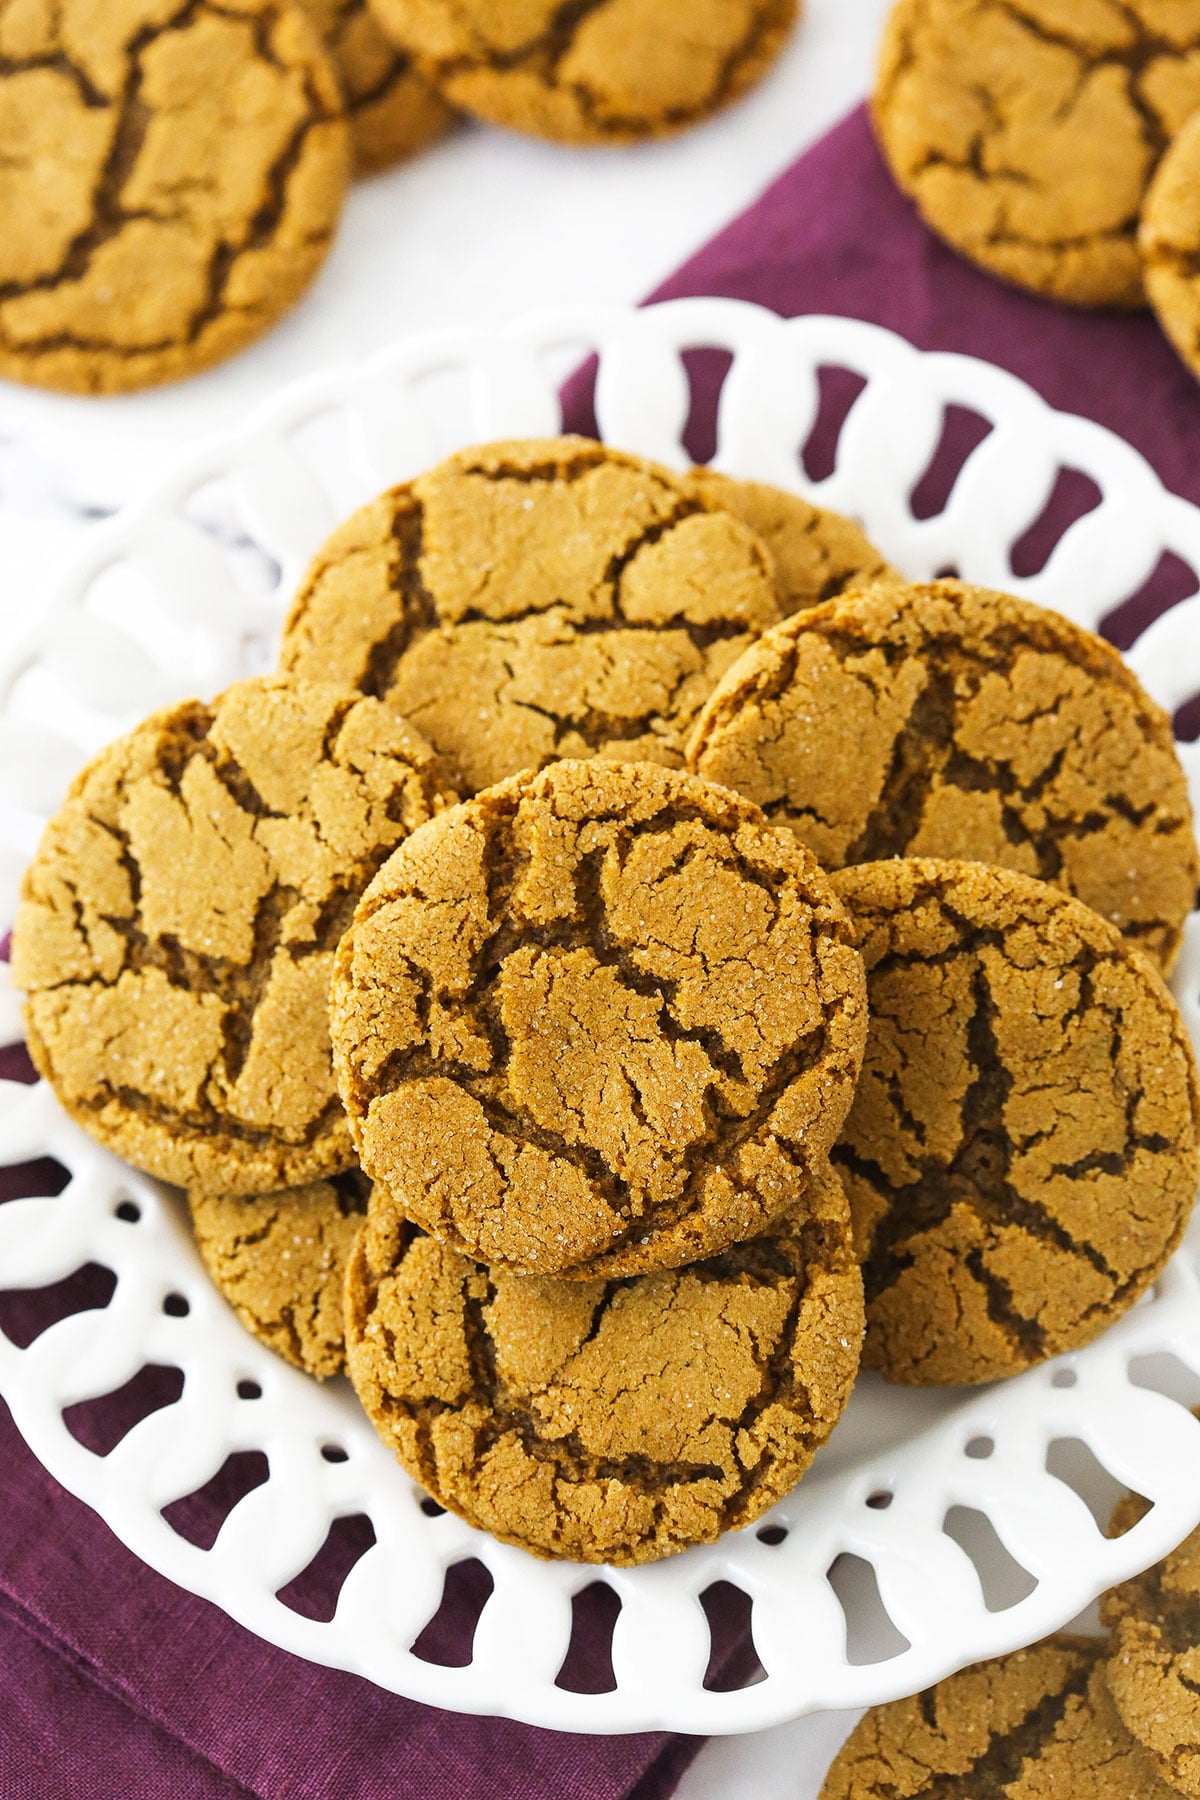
column 1153, row 1661
column 1038, row 1724
column 280, row 1260
column 177, row 927
column 608, row 1421
column 527, row 601
column 606, row 71
column 170, row 181
column 941, row 719
column 597, row 1020
column 1027, row 134
column 817, row 553
column 1023, row 1151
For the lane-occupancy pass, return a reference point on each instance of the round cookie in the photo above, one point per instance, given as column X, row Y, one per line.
column 392, row 112
column 177, row 927
column 598, row 1020
column 1038, row 1724
column 280, row 1260
column 1153, row 1663
column 1023, row 1151
column 1027, row 135
column 528, row 601
column 170, row 180
column 817, row 553
column 605, row 72
column 947, row 720
column 608, row 1421
column 1169, row 244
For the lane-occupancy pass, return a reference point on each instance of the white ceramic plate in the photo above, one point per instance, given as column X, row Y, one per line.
column 935, row 1528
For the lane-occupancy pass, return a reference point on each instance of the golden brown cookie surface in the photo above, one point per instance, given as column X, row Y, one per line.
column 1027, row 134
column 1153, row 1663
column 605, row 71
column 1038, row 1724
column 947, row 720
column 170, row 179
column 817, row 553
column 392, row 112
column 280, row 1260
column 1022, row 1153
column 612, row 1421
column 597, row 1020
column 528, row 601
column 177, row 927
column 1169, row 244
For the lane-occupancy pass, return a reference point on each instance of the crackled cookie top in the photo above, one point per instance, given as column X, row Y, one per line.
column 523, row 602
column 177, row 927
column 946, row 720
column 1169, row 244
column 597, row 1020
column 596, row 71
column 1021, row 1156
column 817, row 553
column 608, row 1421
column 170, row 178
column 1038, row 1724
column 1027, row 130
column 1153, row 1663
column 392, row 112
column 280, row 1260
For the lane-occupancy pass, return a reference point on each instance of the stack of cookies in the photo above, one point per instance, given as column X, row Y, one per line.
column 1078, row 1718
column 495, row 978
column 1056, row 145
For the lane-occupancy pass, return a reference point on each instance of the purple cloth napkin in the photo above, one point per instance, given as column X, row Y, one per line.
column 117, row 1684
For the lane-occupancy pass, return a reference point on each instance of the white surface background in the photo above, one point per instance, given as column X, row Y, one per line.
column 482, row 228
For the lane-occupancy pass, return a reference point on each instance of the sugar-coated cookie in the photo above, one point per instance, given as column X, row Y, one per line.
column 597, row 1020
column 607, row 71
column 177, row 927
column 1169, row 244
column 170, row 180
column 608, row 1421
column 527, row 601
column 946, row 720
column 1022, row 1153
column 1038, row 1724
column 1153, row 1662
column 1027, row 134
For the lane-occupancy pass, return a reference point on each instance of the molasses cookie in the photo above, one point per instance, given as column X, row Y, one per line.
column 607, row 72
column 1022, row 1153
column 1027, row 135
column 946, row 720
column 608, row 1421
column 177, row 927
column 817, row 553
column 1153, row 1663
column 392, row 112
column 598, row 1020
column 529, row 601
column 1169, row 243
column 280, row 1260
column 170, row 180
column 1038, row 1724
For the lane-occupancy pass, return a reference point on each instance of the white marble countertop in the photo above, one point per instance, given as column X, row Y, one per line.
column 482, row 228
